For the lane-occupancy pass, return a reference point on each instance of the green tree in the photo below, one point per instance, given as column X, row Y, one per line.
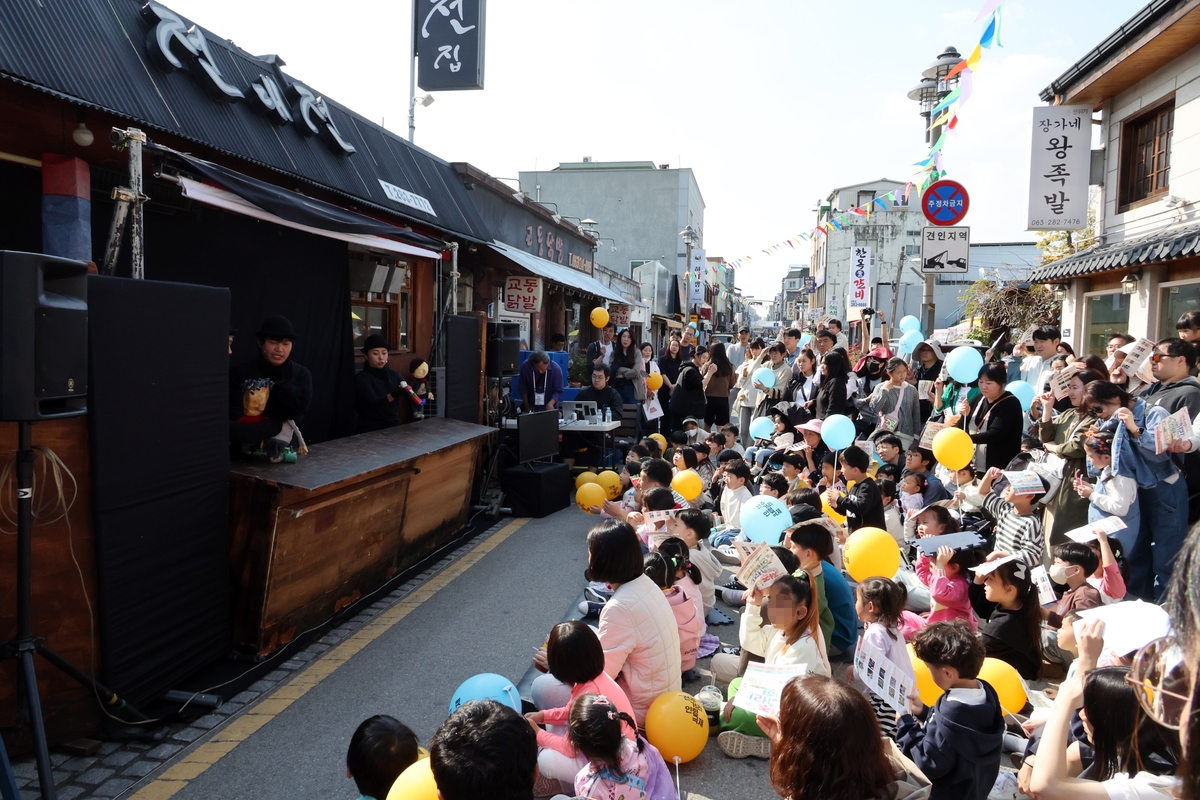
column 1056, row 245
column 995, row 307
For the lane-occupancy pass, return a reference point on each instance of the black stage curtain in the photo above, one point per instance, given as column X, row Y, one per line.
column 269, row 270
column 160, row 475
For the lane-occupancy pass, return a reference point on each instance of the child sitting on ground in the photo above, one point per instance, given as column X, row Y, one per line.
column 782, row 622
column 878, row 603
column 959, row 745
column 617, row 765
column 1018, row 529
column 693, row 431
column 1111, row 495
column 731, row 432
column 1073, row 564
column 813, row 546
column 803, row 505
column 773, row 484
column 687, row 574
column 792, row 469
column 574, row 662
column 684, row 458
column 781, row 438
column 692, row 526
column 704, row 465
column 949, row 589
column 891, row 510
column 688, row 618
column 381, row 748
column 912, row 493
column 863, row 507
column 1013, row 633
column 1107, row 579
column 677, row 439
column 657, row 499
column 733, row 497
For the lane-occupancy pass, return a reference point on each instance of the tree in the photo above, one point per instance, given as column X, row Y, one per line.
column 1056, row 245
column 994, row 307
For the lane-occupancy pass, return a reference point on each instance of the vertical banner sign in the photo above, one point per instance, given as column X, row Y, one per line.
column 860, row 278
column 1060, row 162
column 618, row 314
column 697, row 270
column 449, row 44
column 523, row 294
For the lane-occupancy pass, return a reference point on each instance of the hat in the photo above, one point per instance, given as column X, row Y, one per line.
column 813, row 425
column 743, row 329
column 277, row 327
column 879, row 352
column 728, row 454
column 692, row 420
column 794, row 459
column 373, row 341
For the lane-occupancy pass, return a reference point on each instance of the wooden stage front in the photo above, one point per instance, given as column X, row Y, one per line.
column 310, row 538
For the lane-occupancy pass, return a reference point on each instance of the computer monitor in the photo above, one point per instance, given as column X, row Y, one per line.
column 537, row 436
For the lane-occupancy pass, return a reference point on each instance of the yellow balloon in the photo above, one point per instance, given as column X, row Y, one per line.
column 654, row 381
column 599, row 317
column 871, row 553
column 586, row 477
column 928, row 690
column 688, row 484
column 677, row 725
column 953, row 448
column 662, row 440
column 1005, row 679
column 611, row 483
column 828, row 511
column 589, row 495
column 415, row 783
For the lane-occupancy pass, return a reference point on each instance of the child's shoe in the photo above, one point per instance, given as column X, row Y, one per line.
column 734, row 597
column 739, row 745
column 590, row 609
column 726, row 554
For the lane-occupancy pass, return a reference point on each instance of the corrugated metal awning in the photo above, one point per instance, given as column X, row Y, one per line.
column 1168, row 245
column 557, row 273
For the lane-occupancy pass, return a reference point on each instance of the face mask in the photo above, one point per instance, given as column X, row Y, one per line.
column 1058, row 573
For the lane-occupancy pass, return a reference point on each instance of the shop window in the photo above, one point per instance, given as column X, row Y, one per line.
column 1174, row 303
column 1146, row 155
column 380, row 300
column 1104, row 315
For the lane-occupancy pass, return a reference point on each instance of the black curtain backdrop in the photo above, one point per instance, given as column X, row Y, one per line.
column 160, row 474
column 269, row 270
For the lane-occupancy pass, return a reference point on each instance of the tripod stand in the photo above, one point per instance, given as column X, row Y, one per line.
column 25, row 644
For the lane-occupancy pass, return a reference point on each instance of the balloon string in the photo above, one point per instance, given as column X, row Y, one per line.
column 678, row 791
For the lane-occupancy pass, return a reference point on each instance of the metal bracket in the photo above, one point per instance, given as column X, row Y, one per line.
column 128, row 206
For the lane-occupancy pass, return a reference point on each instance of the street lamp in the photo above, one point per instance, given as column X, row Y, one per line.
column 690, row 239
column 932, row 89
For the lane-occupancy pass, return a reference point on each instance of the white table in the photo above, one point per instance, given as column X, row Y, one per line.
column 605, row 429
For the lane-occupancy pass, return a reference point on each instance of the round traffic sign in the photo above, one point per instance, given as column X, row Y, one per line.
column 945, row 203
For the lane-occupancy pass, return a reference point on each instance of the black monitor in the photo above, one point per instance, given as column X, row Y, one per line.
column 537, row 436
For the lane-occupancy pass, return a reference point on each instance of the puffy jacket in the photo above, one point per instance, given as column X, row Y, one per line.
column 641, row 643
column 690, row 624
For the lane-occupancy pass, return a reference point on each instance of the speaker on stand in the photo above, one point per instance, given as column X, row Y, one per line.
column 43, row 375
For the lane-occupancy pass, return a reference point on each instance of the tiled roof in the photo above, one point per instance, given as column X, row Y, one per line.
column 1168, row 245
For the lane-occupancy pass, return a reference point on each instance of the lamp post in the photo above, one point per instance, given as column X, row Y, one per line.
column 690, row 238
column 932, row 89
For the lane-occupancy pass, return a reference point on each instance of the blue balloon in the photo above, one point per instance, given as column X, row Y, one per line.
column 910, row 323
column 910, row 340
column 964, row 364
column 1023, row 392
column 765, row 376
column 764, row 519
column 486, row 686
column 762, row 428
column 838, row 432
column 805, row 338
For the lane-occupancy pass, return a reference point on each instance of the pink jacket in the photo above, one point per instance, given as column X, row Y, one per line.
column 690, row 624
column 950, row 596
column 641, row 643
column 558, row 716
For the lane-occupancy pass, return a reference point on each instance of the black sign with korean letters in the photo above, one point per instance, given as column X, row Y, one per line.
column 449, row 44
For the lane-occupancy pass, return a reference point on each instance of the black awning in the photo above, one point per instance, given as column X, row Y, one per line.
column 1168, row 245
column 292, row 206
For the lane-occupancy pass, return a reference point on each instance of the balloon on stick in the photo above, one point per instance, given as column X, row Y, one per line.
column 654, row 381
column 415, row 783
column 926, row 687
column 762, row 427
column 910, row 340
column 1005, row 679
column 585, row 477
column 765, row 376
column 964, row 364
column 953, row 448
column 589, row 496
column 610, row 482
column 909, row 323
column 871, row 553
column 838, row 432
column 688, row 484
column 1023, row 392
column 487, row 686
column 599, row 317
column 677, row 725
column 765, row 518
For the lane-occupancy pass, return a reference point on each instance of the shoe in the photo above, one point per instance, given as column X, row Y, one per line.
column 1005, row 787
column 734, row 597
column 589, row 609
column 733, row 583
column 731, row 651
column 691, row 675
column 739, row 745
column 727, row 555
column 546, row 787
column 597, row 592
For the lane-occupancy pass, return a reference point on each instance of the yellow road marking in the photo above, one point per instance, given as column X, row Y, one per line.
column 192, row 764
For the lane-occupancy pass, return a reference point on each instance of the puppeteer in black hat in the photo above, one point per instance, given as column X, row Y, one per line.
column 291, row 383
column 378, row 389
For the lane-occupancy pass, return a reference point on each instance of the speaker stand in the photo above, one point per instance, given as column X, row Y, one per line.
column 25, row 644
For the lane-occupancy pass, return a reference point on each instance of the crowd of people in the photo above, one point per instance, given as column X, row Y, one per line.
column 1066, row 507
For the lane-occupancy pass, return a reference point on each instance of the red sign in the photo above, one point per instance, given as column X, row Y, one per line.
column 945, row 203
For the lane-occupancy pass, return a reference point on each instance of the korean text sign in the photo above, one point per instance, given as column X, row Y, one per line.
column 523, row 294
column 449, row 39
column 859, row 295
column 1060, row 162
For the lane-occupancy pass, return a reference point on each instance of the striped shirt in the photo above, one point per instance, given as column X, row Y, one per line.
column 1016, row 534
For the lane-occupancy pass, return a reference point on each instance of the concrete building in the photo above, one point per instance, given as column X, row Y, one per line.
column 794, row 298
column 1144, row 80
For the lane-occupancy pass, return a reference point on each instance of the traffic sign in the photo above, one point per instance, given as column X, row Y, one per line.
column 945, row 203
column 945, row 249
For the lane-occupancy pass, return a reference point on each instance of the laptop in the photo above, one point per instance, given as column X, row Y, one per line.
column 579, row 410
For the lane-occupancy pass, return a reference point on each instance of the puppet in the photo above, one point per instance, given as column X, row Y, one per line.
column 418, row 391
column 260, row 395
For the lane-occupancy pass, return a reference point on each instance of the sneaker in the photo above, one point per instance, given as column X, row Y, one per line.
column 597, row 592
column 734, row 597
column 739, row 745
column 1005, row 787
column 727, row 555
column 733, row 583
column 590, row 609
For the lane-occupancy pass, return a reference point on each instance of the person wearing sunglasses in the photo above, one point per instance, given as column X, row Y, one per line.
column 1173, row 363
column 1162, row 488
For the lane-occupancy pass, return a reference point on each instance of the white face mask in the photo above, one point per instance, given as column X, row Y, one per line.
column 1058, row 573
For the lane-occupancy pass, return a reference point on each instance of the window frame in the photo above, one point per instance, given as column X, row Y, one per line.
column 1085, row 328
column 1128, row 147
column 1163, row 288
column 395, row 305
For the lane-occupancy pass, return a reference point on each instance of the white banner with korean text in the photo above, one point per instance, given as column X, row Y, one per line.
column 1060, row 161
column 859, row 293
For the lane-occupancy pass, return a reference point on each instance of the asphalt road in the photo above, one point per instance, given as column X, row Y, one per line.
column 486, row 619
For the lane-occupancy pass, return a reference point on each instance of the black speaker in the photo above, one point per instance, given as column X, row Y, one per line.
column 536, row 490
column 43, row 337
column 503, row 349
column 461, row 394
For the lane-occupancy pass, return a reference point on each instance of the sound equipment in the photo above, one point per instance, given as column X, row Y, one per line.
column 43, row 337
column 503, row 349
column 461, row 395
column 536, row 490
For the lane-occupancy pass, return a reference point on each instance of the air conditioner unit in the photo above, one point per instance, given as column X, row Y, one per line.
column 587, row 159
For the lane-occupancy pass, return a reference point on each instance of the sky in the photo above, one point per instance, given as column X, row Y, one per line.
column 773, row 104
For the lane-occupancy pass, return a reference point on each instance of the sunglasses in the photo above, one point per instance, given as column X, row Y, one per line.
column 1158, row 357
column 1161, row 679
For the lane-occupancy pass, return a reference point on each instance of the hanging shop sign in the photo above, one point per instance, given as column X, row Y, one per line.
column 1060, row 160
column 449, row 44
column 523, row 294
column 860, row 278
column 618, row 314
column 945, row 202
column 945, row 249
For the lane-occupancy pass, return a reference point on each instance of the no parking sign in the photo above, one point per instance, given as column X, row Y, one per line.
column 945, row 202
